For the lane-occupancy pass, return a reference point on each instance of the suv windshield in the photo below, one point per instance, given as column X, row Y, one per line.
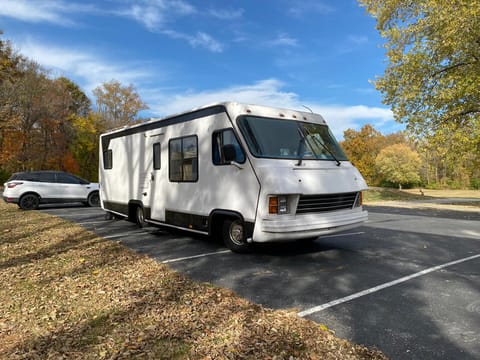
column 288, row 139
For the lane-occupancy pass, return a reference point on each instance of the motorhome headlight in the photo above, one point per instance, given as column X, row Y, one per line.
column 358, row 200
column 278, row 204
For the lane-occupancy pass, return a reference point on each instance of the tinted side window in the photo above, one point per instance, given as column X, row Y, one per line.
column 156, row 156
column 67, row 179
column 30, row 177
column 46, row 177
column 183, row 159
column 226, row 137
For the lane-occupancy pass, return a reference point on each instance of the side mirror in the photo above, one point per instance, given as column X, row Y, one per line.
column 229, row 153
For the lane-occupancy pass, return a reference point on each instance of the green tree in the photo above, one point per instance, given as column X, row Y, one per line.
column 118, row 105
column 433, row 48
column 399, row 164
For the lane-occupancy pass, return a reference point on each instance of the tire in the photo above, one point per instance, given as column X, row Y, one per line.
column 29, row 202
column 140, row 217
column 234, row 237
column 93, row 199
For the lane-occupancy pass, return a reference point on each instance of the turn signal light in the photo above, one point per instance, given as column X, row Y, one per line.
column 278, row 204
column 273, row 205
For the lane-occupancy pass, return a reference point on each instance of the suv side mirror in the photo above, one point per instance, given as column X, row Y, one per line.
column 229, row 153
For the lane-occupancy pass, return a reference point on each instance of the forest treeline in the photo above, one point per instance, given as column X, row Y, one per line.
column 50, row 123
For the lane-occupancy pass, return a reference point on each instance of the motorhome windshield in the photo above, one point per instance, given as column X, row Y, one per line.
column 288, row 139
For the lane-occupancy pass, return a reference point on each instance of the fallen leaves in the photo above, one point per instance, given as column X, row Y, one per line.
column 69, row 294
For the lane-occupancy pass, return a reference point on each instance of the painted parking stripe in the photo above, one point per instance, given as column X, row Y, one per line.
column 137, row 232
column 319, row 308
column 91, row 222
column 74, row 215
column 195, row 256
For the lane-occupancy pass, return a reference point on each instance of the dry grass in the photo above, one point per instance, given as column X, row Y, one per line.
column 66, row 293
column 413, row 198
column 469, row 194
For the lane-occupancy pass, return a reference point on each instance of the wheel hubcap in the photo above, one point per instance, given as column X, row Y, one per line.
column 236, row 233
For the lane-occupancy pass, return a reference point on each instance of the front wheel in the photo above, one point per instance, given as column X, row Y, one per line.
column 93, row 199
column 29, row 202
column 233, row 234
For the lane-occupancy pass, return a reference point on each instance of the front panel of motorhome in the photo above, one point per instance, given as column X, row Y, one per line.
column 245, row 173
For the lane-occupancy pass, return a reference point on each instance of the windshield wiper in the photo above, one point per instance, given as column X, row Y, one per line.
column 301, row 146
column 318, row 142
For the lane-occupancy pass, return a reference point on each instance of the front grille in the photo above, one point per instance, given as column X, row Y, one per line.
column 326, row 202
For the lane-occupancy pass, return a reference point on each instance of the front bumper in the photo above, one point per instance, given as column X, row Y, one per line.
column 285, row 227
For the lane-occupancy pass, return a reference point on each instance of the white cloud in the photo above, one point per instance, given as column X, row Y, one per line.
column 300, row 8
column 225, row 14
column 50, row 11
column 154, row 14
column 88, row 69
column 200, row 39
column 358, row 39
column 283, row 40
column 204, row 40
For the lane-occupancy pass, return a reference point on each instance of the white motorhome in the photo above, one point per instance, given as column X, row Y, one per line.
column 247, row 173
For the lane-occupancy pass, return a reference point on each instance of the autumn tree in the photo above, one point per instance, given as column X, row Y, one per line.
column 85, row 145
column 399, row 164
column 118, row 105
column 362, row 148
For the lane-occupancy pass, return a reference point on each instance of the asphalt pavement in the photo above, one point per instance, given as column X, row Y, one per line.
column 406, row 282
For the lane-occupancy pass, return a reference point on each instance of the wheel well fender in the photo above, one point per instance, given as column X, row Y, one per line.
column 29, row 193
column 132, row 207
column 217, row 217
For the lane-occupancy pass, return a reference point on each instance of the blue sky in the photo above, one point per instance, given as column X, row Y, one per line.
column 180, row 54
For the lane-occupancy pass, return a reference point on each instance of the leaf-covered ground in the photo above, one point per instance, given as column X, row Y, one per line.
column 66, row 293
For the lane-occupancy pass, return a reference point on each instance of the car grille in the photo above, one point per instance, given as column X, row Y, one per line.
column 325, row 202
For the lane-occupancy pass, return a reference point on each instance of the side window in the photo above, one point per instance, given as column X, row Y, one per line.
column 183, row 159
column 107, row 159
column 225, row 137
column 46, row 177
column 156, row 156
column 67, row 179
column 30, row 177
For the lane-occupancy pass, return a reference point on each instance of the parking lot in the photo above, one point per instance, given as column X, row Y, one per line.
column 407, row 282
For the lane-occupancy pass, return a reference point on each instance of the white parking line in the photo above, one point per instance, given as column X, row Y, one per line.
column 195, row 256
column 319, row 308
column 136, row 232
column 91, row 222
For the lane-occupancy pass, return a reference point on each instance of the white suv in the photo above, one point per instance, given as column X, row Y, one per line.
column 29, row 189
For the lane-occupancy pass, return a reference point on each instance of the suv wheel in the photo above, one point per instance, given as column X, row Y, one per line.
column 29, row 202
column 93, row 199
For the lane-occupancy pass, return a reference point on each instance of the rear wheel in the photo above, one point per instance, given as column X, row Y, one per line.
column 29, row 202
column 233, row 233
column 93, row 199
column 140, row 217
